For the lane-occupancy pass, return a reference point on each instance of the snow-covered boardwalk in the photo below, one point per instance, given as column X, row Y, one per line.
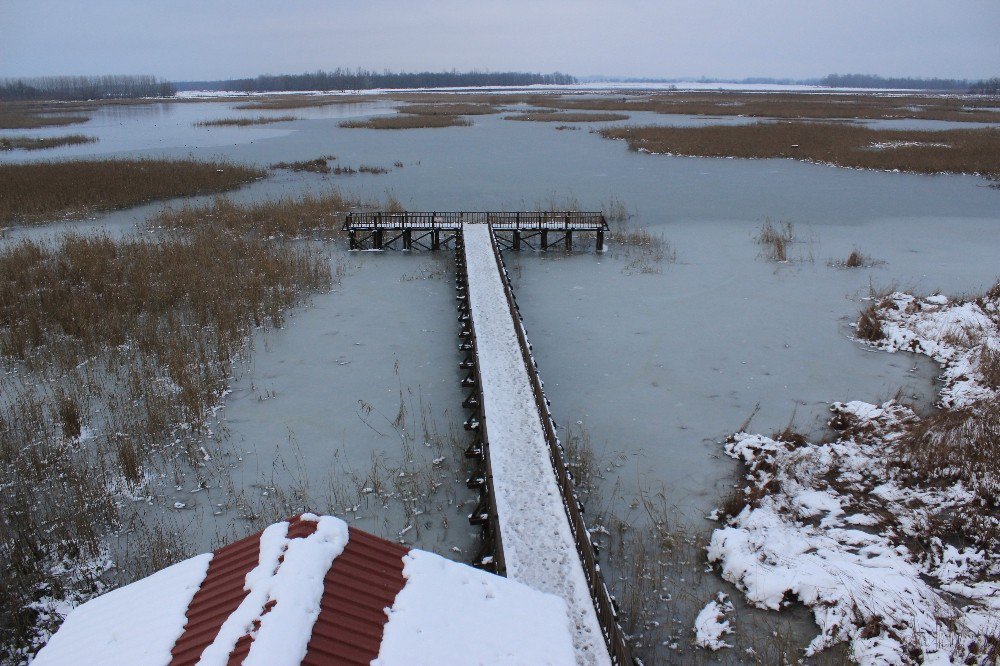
column 538, row 544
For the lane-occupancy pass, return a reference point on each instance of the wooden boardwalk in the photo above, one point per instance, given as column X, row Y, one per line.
column 532, row 519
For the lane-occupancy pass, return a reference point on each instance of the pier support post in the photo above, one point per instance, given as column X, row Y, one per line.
column 600, row 241
column 435, row 240
column 407, row 239
column 569, row 240
column 377, row 237
column 545, row 239
column 354, row 239
column 517, row 239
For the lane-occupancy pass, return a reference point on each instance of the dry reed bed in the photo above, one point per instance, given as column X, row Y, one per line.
column 449, row 109
column 318, row 165
column 947, row 151
column 245, row 122
column 304, row 101
column 406, row 121
column 784, row 105
column 16, row 116
column 114, row 354
column 41, row 143
column 42, row 191
column 306, row 216
column 554, row 117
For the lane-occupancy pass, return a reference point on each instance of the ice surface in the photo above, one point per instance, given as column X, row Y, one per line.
column 135, row 624
column 538, row 545
column 450, row 613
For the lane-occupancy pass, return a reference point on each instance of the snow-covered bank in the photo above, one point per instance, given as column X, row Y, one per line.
column 889, row 532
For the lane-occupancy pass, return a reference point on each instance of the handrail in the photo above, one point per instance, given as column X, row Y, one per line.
column 604, row 605
column 527, row 220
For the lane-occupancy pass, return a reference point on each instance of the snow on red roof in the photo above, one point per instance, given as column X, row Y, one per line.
column 312, row 591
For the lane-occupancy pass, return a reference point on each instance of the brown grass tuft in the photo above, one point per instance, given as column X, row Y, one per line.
column 39, row 192
column 869, row 326
column 946, row 151
column 449, row 109
column 775, row 239
column 244, row 122
column 318, row 165
column 554, row 117
column 308, row 215
column 17, row 116
column 40, row 143
column 406, row 121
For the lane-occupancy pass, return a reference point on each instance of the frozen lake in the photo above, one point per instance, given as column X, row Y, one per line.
column 658, row 367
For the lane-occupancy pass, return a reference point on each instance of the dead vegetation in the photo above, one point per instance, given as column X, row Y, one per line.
column 32, row 116
column 846, row 145
column 245, row 122
column 783, row 105
column 775, row 239
column 41, row 143
column 39, row 192
column 449, row 109
column 279, row 102
column 318, row 165
column 308, row 216
column 406, row 121
column 856, row 259
column 557, row 117
column 114, row 355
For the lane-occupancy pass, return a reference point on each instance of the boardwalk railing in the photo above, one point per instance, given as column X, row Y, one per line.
column 524, row 220
column 604, row 604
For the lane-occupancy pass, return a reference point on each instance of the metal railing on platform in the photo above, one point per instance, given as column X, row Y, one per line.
column 523, row 220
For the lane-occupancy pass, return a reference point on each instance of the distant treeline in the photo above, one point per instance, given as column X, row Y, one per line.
column 906, row 83
column 343, row 79
column 987, row 87
column 75, row 88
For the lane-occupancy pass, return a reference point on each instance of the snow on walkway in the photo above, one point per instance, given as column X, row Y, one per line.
column 538, row 545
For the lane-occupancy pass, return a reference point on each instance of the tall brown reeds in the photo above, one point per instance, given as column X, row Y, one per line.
column 114, row 354
column 305, row 216
column 41, row 143
column 406, row 121
column 946, row 151
column 42, row 191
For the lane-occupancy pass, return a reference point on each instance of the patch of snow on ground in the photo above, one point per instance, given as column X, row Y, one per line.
column 123, row 627
column 831, row 520
column 710, row 627
column 449, row 613
column 538, row 545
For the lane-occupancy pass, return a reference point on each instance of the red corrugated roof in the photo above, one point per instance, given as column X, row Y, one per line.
column 362, row 582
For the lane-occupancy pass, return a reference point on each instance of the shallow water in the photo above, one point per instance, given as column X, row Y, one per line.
column 657, row 366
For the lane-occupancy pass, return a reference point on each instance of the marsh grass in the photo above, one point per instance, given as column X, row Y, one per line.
column 406, row 121
column 557, row 117
column 375, row 170
column 115, row 353
column 39, row 192
column 318, row 165
column 245, row 122
column 846, row 145
column 41, row 143
column 16, row 116
column 307, row 216
column 856, row 259
column 776, row 239
column 783, row 105
column 303, row 102
column 449, row 109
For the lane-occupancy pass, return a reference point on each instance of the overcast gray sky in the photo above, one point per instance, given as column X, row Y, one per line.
column 206, row 39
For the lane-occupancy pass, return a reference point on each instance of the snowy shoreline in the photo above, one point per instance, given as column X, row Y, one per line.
column 902, row 564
